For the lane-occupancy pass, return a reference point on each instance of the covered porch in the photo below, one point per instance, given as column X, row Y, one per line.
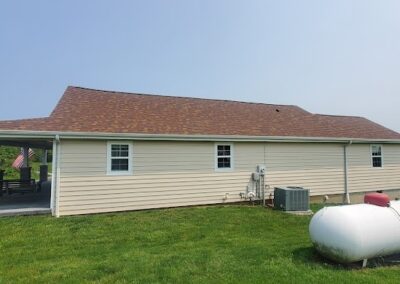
column 27, row 191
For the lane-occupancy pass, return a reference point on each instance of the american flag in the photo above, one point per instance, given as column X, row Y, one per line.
column 19, row 161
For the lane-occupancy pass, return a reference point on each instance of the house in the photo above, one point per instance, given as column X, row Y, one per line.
column 115, row 151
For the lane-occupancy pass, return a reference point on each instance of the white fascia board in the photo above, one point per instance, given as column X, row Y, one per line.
column 26, row 134
column 176, row 137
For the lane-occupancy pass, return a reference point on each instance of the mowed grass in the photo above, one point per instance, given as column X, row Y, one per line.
column 213, row 244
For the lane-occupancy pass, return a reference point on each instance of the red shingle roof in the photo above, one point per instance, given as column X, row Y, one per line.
column 88, row 110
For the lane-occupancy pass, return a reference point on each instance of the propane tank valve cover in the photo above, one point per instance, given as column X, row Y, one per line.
column 377, row 198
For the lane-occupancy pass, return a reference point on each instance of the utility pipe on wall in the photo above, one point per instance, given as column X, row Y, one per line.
column 261, row 189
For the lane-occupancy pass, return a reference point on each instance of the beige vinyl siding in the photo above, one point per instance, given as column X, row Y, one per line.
column 83, row 158
column 172, row 157
column 318, row 167
column 148, row 191
column 165, row 174
column 248, row 155
column 364, row 177
column 169, row 174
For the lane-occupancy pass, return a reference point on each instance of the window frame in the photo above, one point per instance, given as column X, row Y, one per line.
column 231, row 156
column 380, row 156
column 129, row 158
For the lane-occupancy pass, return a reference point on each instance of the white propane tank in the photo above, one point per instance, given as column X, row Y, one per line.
column 351, row 233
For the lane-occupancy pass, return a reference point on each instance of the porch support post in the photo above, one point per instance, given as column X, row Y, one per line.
column 26, row 157
column 44, row 157
column 25, row 170
column 43, row 167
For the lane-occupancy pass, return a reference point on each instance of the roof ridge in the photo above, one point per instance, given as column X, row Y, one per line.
column 181, row 97
column 24, row 119
column 339, row 115
column 370, row 121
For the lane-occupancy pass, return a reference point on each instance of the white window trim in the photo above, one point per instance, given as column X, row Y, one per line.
column 130, row 158
column 216, row 157
column 381, row 156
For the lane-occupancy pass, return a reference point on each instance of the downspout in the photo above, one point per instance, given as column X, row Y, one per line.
column 58, row 176
column 265, row 173
column 55, row 179
column 346, row 197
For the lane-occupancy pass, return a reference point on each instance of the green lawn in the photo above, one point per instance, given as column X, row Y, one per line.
column 215, row 244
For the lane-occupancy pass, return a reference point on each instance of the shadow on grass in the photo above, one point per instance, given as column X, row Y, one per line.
column 310, row 256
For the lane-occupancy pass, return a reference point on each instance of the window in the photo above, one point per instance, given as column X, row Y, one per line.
column 119, row 156
column 376, row 151
column 224, row 156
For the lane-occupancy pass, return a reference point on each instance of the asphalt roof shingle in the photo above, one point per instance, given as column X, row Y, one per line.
column 89, row 110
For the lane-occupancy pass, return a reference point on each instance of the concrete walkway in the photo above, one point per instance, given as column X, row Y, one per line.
column 24, row 211
column 25, row 204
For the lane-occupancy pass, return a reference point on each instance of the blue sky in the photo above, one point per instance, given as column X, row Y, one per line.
column 334, row 57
